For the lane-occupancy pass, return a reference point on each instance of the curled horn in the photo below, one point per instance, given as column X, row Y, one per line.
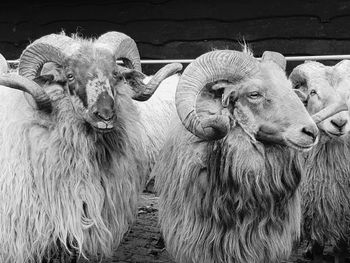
column 144, row 91
column 15, row 81
column 227, row 65
column 276, row 57
column 46, row 49
column 124, row 47
column 330, row 111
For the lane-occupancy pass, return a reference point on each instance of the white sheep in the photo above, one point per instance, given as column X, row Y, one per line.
column 227, row 177
column 326, row 187
column 74, row 149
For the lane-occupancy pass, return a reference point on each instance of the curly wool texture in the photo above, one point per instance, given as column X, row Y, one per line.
column 325, row 191
column 228, row 201
column 62, row 185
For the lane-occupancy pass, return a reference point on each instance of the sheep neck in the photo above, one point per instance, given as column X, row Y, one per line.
column 89, row 176
column 251, row 192
column 325, row 190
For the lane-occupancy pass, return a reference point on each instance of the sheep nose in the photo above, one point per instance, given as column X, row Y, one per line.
column 339, row 123
column 104, row 114
column 310, row 130
column 104, row 107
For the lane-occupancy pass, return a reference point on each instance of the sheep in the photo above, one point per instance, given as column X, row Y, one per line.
column 228, row 173
column 74, row 146
column 325, row 190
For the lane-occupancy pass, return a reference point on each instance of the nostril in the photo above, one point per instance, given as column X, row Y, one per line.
column 105, row 115
column 311, row 131
column 339, row 123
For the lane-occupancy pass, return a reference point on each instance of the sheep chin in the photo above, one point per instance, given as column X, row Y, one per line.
column 298, row 147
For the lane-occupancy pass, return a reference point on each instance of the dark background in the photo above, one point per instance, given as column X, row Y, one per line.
column 170, row 29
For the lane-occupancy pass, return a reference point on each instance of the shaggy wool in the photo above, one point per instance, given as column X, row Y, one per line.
column 63, row 185
column 325, row 191
column 232, row 200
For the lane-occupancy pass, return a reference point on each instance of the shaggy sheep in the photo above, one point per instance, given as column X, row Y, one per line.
column 227, row 177
column 74, row 149
column 326, row 187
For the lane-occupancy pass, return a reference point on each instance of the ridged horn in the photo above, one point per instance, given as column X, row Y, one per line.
column 144, row 92
column 46, row 49
column 123, row 47
column 3, row 64
column 276, row 57
column 228, row 65
column 15, row 81
column 330, row 111
column 50, row 48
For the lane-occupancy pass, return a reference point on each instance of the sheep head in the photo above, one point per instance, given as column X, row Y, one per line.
column 87, row 72
column 319, row 87
column 223, row 88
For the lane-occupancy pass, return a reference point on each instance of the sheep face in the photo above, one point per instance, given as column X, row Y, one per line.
column 96, row 84
column 100, row 90
column 258, row 98
column 318, row 87
column 266, row 110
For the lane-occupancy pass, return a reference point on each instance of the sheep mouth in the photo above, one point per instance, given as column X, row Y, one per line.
column 103, row 127
column 269, row 134
column 335, row 134
column 273, row 138
column 298, row 146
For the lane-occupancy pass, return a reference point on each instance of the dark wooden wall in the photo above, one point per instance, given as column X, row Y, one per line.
column 165, row 29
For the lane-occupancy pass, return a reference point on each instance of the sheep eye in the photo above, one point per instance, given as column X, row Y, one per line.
column 298, row 84
column 70, row 76
column 305, row 102
column 313, row 92
column 254, row 95
column 117, row 76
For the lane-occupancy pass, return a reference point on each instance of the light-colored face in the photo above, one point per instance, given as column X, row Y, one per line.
column 321, row 86
column 267, row 108
column 277, row 109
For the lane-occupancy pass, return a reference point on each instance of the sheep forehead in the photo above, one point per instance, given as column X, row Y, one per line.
column 93, row 53
column 95, row 86
column 341, row 71
column 318, row 76
column 274, row 79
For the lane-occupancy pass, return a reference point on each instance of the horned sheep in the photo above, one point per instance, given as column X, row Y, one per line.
column 326, row 187
column 228, row 174
column 75, row 146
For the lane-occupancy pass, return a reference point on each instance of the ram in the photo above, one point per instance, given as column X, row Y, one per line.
column 326, row 186
column 74, row 146
column 228, row 174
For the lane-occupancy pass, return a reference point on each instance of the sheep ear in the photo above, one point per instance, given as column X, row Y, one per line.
column 43, row 79
column 276, row 57
column 229, row 91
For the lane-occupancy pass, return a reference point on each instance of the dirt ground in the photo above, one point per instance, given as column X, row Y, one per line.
column 143, row 243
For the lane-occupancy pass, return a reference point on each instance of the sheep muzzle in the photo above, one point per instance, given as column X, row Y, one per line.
column 101, row 106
